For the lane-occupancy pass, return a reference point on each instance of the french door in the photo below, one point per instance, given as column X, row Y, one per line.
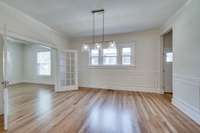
column 67, row 75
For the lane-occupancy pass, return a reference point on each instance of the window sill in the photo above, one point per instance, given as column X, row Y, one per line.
column 44, row 75
column 110, row 66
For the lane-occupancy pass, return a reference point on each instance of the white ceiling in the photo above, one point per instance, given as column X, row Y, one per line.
column 73, row 17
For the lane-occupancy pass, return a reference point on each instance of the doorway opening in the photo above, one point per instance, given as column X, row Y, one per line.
column 168, row 63
column 33, row 71
column 29, row 67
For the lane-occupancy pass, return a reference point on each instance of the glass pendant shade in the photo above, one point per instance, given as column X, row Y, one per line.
column 98, row 46
column 112, row 44
column 85, row 47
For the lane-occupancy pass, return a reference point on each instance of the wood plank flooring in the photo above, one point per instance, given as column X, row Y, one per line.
column 1, row 123
column 37, row 109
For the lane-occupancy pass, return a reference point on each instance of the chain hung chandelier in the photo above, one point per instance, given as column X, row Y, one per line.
column 98, row 44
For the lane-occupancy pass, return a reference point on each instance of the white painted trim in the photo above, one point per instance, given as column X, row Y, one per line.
column 15, row 82
column 192, row 112
column 111, row 66
column 12, row 34
column 29, row 82
column 37, row 82
column 170, row 22
column 133, row 89
column 69, row 88
column 58, row 88
column 29, row 17
column 5, row 98
column 161, row 63
column 193, row 83
column 167, row 90
column 119, row 64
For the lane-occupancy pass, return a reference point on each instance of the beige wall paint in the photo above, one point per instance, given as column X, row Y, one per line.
column 144, row 77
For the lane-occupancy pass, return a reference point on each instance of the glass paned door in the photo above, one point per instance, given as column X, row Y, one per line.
column 67, row 71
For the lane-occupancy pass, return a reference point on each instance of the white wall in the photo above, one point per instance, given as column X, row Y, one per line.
column 22, row 63
column 186, row 46
column 30, row 65
column 15, row 62
column 22, row 26
column 144, row 77
column 1, row 75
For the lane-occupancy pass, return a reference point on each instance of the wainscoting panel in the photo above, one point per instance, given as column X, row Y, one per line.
column 186, row 95
column 146, row 81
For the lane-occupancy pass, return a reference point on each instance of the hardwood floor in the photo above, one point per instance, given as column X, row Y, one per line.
column 1, row 123
column 37, row 109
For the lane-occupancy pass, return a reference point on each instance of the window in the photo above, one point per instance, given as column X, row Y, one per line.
column 44, row 63
column 94, row 57
column 122, row 55
column 110, row 56
column 169, row 57
column 126, row 56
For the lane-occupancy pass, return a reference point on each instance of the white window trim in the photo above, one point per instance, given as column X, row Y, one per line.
column 41, row 75
column 119, row 58
column 102, row 59
column 89, row 62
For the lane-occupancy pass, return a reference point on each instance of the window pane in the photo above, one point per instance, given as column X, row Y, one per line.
column 126, row 51
column 94, row 55
column 43, row 57
column 169, row 57
column 109, row 60
column 110, row 52
column 44, row 69
column 94, row 60
column 126, row 60
column 94, row 52
column 44, row 63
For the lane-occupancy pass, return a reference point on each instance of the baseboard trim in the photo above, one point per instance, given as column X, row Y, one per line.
column 70, row 88
column 167, row 91
column 15, row 82
column 42, row 83
column 147, row 90
column 27, row 82
column 192, row 112
column 30, row 82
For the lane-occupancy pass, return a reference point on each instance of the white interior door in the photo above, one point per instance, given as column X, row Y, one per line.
column 67, row 78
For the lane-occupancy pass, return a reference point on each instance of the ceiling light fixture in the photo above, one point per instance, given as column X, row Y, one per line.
column 98, row 44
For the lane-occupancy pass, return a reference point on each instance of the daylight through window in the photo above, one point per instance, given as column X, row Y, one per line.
column 44, row 63
column 121, row 55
